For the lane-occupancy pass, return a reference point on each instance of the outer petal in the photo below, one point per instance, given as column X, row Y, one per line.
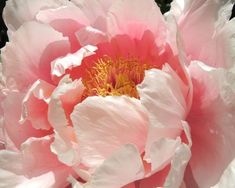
column 163, row 96
column 210, row 41
column 133, row 19
column 178, row 165
column 67, row 20
column 25, row 63
column 12, row 112
column 100, row 123
column 123, row 167
column 17, row 12
column 64, row 98
column 34, row 166
column 227, row 179
column 35, row 105
column 96, row 11
column 212, row 122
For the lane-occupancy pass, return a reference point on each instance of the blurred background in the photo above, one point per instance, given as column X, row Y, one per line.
column 163, row 4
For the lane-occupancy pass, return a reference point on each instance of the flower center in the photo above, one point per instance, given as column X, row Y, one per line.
column 114, row 77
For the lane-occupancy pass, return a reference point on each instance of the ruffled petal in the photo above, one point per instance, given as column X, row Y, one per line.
column 60, row 65
column 17, row 133
column 121, row 168
column 25, row 63
column 35, row 105
column 100, row 123
column 67, row 94
column 211, row 120
column 163, row 95
column 34, row 166
column 178, row 165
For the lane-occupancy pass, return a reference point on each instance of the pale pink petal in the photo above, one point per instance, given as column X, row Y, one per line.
column 17, row 12
column 133, row 19
column 96, row 11
column 227, row 179
column 63, row 12
column 211, row 120
column 35, row 105
column 17, row 133
column 121, row 168
column 100, row 124
column 161, row 153
column 162, row 94
column 65, row 146
column 91, row 35
column 65, row 19
column 27, row 56
column 210, row 41
column 64, row 98
column 178, row 165
column 156, row 180
column 70, row 61
column 10, row 180
column 34, row 166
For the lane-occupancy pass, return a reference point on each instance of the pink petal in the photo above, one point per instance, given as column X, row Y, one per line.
column 70, row 61
column 161, row 152
column 35, row 105
column 12, row 106
column 178, row 165
column 121, row 168
column 227, row 179
column 162, row 94
column 17, row 12
column 26, row 64
column 212, row 122
column 96, row 11
column 100, row 123
column 35, row 166
column 67, row 20
column 144, row 15
column 210, row 41
column 64, row 98
column 90, row 35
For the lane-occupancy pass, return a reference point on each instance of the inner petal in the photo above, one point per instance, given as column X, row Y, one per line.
column 114, row 77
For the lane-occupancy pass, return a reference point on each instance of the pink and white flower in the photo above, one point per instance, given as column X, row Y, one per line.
column 110, row 94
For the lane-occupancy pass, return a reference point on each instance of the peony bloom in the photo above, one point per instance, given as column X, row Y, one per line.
column 111, row 94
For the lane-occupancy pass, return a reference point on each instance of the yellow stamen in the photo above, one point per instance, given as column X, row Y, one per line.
column 114, row 77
